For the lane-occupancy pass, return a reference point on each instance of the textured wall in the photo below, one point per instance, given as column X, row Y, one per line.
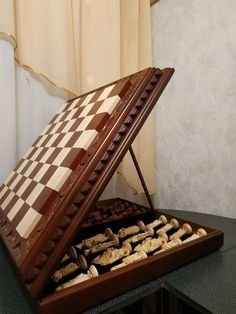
column 196, row 116
column 26, row 105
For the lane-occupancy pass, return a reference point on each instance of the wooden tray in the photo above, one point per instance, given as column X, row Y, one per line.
column 107, row 285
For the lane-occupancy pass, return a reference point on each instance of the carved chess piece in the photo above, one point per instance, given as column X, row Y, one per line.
column 200, row 233
column 141, row 236
column 186, row 229
column 103, row 246
column 169, row 245
column 87, row 243
column 112, row 255
column 70, row 254
column 70, row 268
column 172, row 224
column 92, row 272
column 124, row 232
column 150, row 245
column 99, row 238
column 131, row 259
column 162, row 220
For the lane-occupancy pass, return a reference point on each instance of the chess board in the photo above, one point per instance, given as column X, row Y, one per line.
column 35, row 182
column 47, row 199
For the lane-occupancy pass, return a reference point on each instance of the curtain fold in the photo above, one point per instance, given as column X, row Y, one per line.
column 136, row 54
column 81, row 45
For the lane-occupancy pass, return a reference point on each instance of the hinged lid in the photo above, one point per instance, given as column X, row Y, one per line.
column 46, row 198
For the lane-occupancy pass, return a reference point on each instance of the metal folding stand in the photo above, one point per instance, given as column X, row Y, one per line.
column 141, row 178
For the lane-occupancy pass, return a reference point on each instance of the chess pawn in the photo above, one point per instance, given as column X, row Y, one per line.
column 173, row 224
column 150, row 245
column 200, row 233
column 161, row 221
column 112, row 255
column 92, row 272
column 70, row 268
column 186, row 229
column 169, row 245
column 141, row 236
column 131, row 259
column 70, row 254
column 124, row 232
column 103, row 246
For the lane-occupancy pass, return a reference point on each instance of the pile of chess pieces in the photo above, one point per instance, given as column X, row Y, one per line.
column 119, row 209
column 109, row 251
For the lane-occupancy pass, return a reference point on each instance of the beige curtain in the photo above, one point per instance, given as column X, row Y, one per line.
column 79, row 45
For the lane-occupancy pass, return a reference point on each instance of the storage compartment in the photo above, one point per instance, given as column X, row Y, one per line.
column 110, row 283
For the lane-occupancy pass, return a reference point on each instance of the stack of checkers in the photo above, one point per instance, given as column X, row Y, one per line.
column 35, row 183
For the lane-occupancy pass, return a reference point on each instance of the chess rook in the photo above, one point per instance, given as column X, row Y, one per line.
column 124, row 232
column 186, row 229
column 200, row 233
column 172, row 224
column 103, row 246
column 70, row 268
column 150, row 245
column 112, row 255
column 92, row 272
column 161, row 221
column 131, row 259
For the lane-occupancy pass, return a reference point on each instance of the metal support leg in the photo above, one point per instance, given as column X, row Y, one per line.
column 141, row 178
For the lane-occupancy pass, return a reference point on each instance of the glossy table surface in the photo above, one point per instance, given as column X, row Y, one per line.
column 209, row 283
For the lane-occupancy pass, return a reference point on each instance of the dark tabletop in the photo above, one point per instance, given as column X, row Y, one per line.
column 14, row 297
column 209, row 282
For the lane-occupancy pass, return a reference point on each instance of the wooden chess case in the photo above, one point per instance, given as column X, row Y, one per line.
column 110, row 284
column 63, row 206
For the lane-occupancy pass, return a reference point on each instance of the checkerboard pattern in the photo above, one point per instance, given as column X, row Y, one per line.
column 27, row 194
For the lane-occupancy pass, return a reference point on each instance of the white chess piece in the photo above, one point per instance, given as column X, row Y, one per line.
column 169, row 245
column 150, row 245
column 124, row 232
column 70, row 268
column 172, row 224
column 103, row 246
column 92, row 272
column 186, row 229
column 200, row 233
column 112, row 255
column 141, row 236
column 162, row 220
column 131, row 259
